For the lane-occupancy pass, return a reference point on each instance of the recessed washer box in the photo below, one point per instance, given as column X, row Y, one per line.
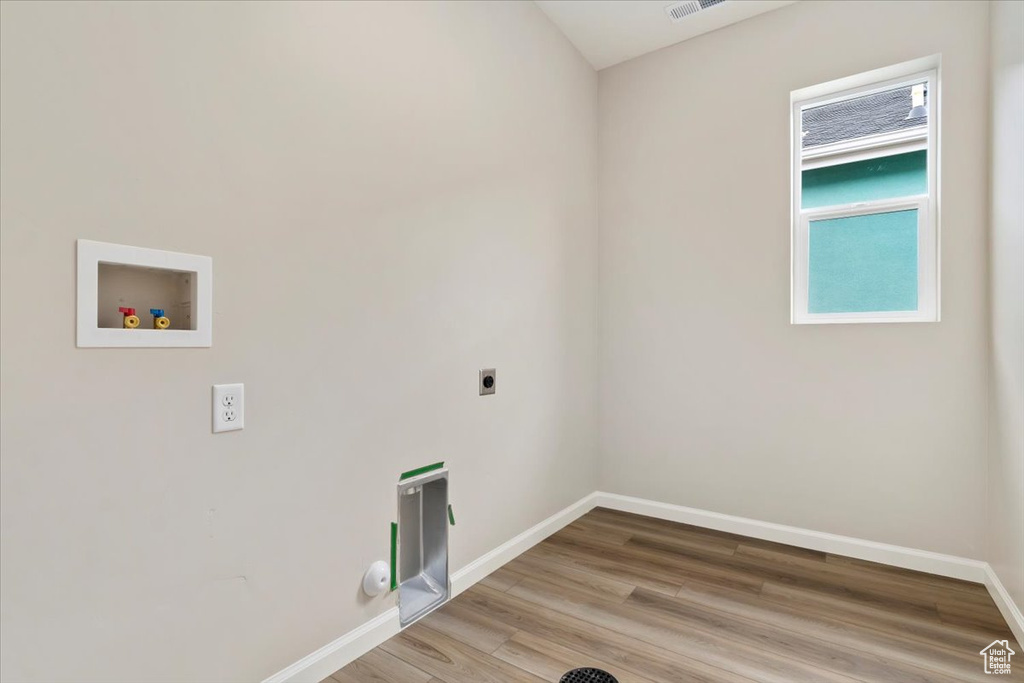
column 113, row 276
column 423, row 578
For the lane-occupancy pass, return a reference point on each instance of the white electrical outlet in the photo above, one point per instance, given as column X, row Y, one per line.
column 228, row 407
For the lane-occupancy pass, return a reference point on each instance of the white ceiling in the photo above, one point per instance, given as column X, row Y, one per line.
column 607, row 32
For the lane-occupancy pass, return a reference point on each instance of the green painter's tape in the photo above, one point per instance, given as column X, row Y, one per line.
column 394, row 555
column 421, row 470
column 451, row 515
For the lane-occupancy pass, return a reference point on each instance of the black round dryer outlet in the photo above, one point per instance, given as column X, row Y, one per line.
column 488, row 381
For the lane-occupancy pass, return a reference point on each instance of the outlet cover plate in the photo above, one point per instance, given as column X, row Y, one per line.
column 488, row 381
column 228, row 407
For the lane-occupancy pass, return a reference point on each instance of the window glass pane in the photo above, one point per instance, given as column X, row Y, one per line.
column 900, row 175
column 857, row 117
column 863, row 263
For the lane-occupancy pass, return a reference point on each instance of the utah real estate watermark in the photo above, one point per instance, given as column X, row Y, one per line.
column 997, row 657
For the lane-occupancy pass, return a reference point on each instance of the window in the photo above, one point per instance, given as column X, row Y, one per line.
column 865, row 216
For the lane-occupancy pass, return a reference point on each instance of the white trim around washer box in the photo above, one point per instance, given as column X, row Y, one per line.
column 89, row 257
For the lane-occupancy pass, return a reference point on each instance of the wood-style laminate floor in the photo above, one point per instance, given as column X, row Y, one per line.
column 657, row 602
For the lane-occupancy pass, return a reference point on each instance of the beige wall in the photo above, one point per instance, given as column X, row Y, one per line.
column 398, row 194
column 709, row 397
column 394, row 196
column 1006, row 258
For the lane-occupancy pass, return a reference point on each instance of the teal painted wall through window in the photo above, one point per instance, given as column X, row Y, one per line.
column 863, row 263
column 900, row 175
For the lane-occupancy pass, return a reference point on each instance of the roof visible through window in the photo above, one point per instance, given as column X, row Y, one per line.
column 857, row 117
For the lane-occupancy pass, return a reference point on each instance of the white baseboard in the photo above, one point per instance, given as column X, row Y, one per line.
column 485, row 564
column 318, row 665
column 897, row 556
column 1005, row 603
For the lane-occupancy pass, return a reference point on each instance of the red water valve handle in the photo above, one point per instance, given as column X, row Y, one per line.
column 127, row 311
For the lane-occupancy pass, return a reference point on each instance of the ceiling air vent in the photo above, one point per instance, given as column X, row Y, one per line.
column 678, row 11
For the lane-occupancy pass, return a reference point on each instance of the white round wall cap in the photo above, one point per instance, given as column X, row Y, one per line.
column 377, row 578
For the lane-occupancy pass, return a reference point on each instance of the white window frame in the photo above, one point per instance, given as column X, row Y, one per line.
column 869, row 147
